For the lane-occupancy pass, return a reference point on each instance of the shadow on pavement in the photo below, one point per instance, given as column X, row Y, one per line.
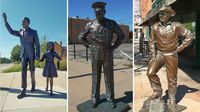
column 128, row 98
column 37, row 94
column 182, row 90
column 190, row 68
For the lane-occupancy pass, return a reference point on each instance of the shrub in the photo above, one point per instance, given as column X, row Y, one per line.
column 63, row 65
column 39, row 64
column 14, row 68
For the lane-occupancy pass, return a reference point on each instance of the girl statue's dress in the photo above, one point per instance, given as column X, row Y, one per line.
column 50, row 68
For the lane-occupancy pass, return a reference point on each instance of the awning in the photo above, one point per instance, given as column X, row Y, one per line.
column 150, row 18
column 137, row 27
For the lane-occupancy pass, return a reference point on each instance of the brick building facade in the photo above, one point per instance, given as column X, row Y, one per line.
column 76, row 25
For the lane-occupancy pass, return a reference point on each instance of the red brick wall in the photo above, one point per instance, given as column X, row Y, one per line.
column 76, row 25
column 145, row 7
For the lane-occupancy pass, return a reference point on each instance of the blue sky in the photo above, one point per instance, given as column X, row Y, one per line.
column 119, row 10
column 48, row 17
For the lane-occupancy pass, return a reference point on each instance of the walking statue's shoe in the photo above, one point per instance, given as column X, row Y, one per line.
column 22, row 94
column 51, row 93
column 46, row 89
column 33, row 88
column 155, row 95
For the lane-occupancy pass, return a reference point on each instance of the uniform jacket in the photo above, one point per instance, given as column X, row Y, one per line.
column 101, row 33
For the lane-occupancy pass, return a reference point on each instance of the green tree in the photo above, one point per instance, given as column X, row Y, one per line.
column 43, row 45
column 4, row 60
column 15, row 54
column 188, row 25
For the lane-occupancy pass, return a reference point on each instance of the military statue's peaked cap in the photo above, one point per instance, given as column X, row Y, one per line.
column 98, row 5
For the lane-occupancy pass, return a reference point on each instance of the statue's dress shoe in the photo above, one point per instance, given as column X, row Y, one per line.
column 95, row 104
column 21, row 95
column 33, row 89
column 112, row 104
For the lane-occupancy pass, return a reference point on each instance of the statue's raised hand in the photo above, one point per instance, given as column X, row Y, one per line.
column 4, row 16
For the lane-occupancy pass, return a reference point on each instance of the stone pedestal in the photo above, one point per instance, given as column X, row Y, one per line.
column 159, row 105
column 103, row 106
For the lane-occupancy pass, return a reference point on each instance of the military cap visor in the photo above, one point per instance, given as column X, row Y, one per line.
column 98, row 9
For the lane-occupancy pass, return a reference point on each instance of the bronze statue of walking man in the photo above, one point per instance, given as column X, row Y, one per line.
column 30, row 51
column 101, row 32
column 164, row 47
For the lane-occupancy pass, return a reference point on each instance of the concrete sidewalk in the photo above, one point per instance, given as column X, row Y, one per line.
column 38, row 101
column 80, row 82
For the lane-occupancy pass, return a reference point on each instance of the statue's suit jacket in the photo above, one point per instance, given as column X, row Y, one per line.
column 30, row 46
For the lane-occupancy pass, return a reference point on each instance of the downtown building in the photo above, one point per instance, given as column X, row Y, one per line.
column 187, row 13
column 76, row 25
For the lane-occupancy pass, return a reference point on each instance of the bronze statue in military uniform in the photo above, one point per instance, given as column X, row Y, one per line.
column 164, row 47
column 101, row 32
